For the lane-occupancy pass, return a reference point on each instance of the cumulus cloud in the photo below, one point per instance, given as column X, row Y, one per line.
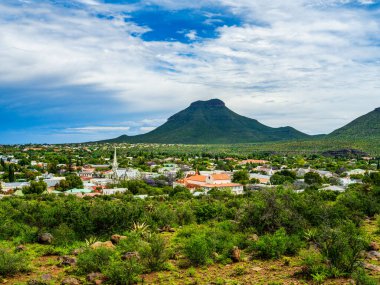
column 98, row 129
column 146, row 129
column 310, row 64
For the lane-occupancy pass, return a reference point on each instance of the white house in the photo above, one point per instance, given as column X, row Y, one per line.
column 114, row 191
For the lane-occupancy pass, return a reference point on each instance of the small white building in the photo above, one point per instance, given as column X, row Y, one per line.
column 114, row 191
column 334, row 188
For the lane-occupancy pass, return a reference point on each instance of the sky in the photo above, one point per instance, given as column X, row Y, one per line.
column 84, row 70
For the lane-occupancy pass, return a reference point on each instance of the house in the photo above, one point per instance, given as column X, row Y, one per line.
column 334, row 188
column 114, row 191
column 302, row 171
column 76, row 191
column 87, row 172
column 325, row 173
column 52, row 182
column 253, row 161
column 263, row 179
column 356, row 172
column 345, row 181
column 264, row 169
column 209, row 182
column 11, row 186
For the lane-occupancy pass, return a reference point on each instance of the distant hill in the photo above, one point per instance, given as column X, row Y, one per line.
column 366, row 126
column 211, row 122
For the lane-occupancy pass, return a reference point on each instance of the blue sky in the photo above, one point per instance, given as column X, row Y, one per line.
column 81, row 70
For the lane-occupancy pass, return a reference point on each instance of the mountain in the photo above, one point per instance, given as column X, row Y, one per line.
column 211, row 122
column 366, row 126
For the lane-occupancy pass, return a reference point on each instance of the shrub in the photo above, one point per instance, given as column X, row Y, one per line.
column 239, row 270
column 9, row 229
column 155, row 254
column 198, row 249
column 313, row 178
column 133, row 242
column 361, row 278
column 312, row 262
column 272, row 246
column 319, row 278
column 12, row 263
column 94, row 260
column 191, row 272
column 185, row 215
column 342, row 246
column 123, row 272
column 63, row 235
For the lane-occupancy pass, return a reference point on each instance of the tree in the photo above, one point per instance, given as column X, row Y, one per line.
column 313, row 178
column 36, row 187
column 282, row 177
column 71, row 181
column 11, row 175
column 241, row 176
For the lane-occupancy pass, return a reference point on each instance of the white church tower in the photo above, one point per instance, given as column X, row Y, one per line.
column 115, row 167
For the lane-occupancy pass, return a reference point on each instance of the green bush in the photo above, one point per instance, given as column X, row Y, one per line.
column 273, row 246
column 361, row 278
column 312, row 262
column 198, row 249
column 155, row 253
column 63, row 235
column 12, row 263
column 185, row 215
column 342, row 246
column 133, row 242
column 94, row 260
column 123, row 272
column 23, row 233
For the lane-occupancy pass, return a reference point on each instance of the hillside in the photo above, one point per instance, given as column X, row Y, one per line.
column 366, row 126
column 211, row 122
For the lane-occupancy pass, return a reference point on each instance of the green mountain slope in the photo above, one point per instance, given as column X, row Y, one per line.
column 211, row 122
column 366, row 126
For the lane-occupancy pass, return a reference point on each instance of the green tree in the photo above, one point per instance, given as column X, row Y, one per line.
column 312, row 178
column 11, row 173
column 36, row 187
column 241, row 176
column 71, row 181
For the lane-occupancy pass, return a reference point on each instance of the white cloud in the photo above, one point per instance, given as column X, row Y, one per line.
column 146, row 129
column 192, row 35
column 95, row 129
column 306, row 65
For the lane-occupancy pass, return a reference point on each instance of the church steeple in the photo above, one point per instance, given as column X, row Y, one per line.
column 115, row 166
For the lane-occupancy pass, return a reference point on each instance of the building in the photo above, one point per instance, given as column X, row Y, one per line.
column 208, row 182
column 114, row 191
column 263, row 179
column 12, row 186
column 253, row 161
column 117, row 174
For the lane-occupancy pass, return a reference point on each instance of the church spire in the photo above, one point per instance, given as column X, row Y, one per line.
column 115, row 166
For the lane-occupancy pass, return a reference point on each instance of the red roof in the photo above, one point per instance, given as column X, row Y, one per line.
column 221, row 176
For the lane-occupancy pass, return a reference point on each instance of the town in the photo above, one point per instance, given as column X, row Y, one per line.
column 97, row 170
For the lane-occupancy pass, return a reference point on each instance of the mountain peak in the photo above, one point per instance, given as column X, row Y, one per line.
column 366, row 126
column 208, row 103
column 211, row 121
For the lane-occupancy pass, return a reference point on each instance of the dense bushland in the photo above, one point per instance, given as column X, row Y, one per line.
column 268, row 224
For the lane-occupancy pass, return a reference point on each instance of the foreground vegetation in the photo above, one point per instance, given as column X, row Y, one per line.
column 318, row 236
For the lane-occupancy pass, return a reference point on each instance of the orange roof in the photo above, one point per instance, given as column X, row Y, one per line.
column 221, row 176
column 199, row 178
column 256, row 161
column 224, row 185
